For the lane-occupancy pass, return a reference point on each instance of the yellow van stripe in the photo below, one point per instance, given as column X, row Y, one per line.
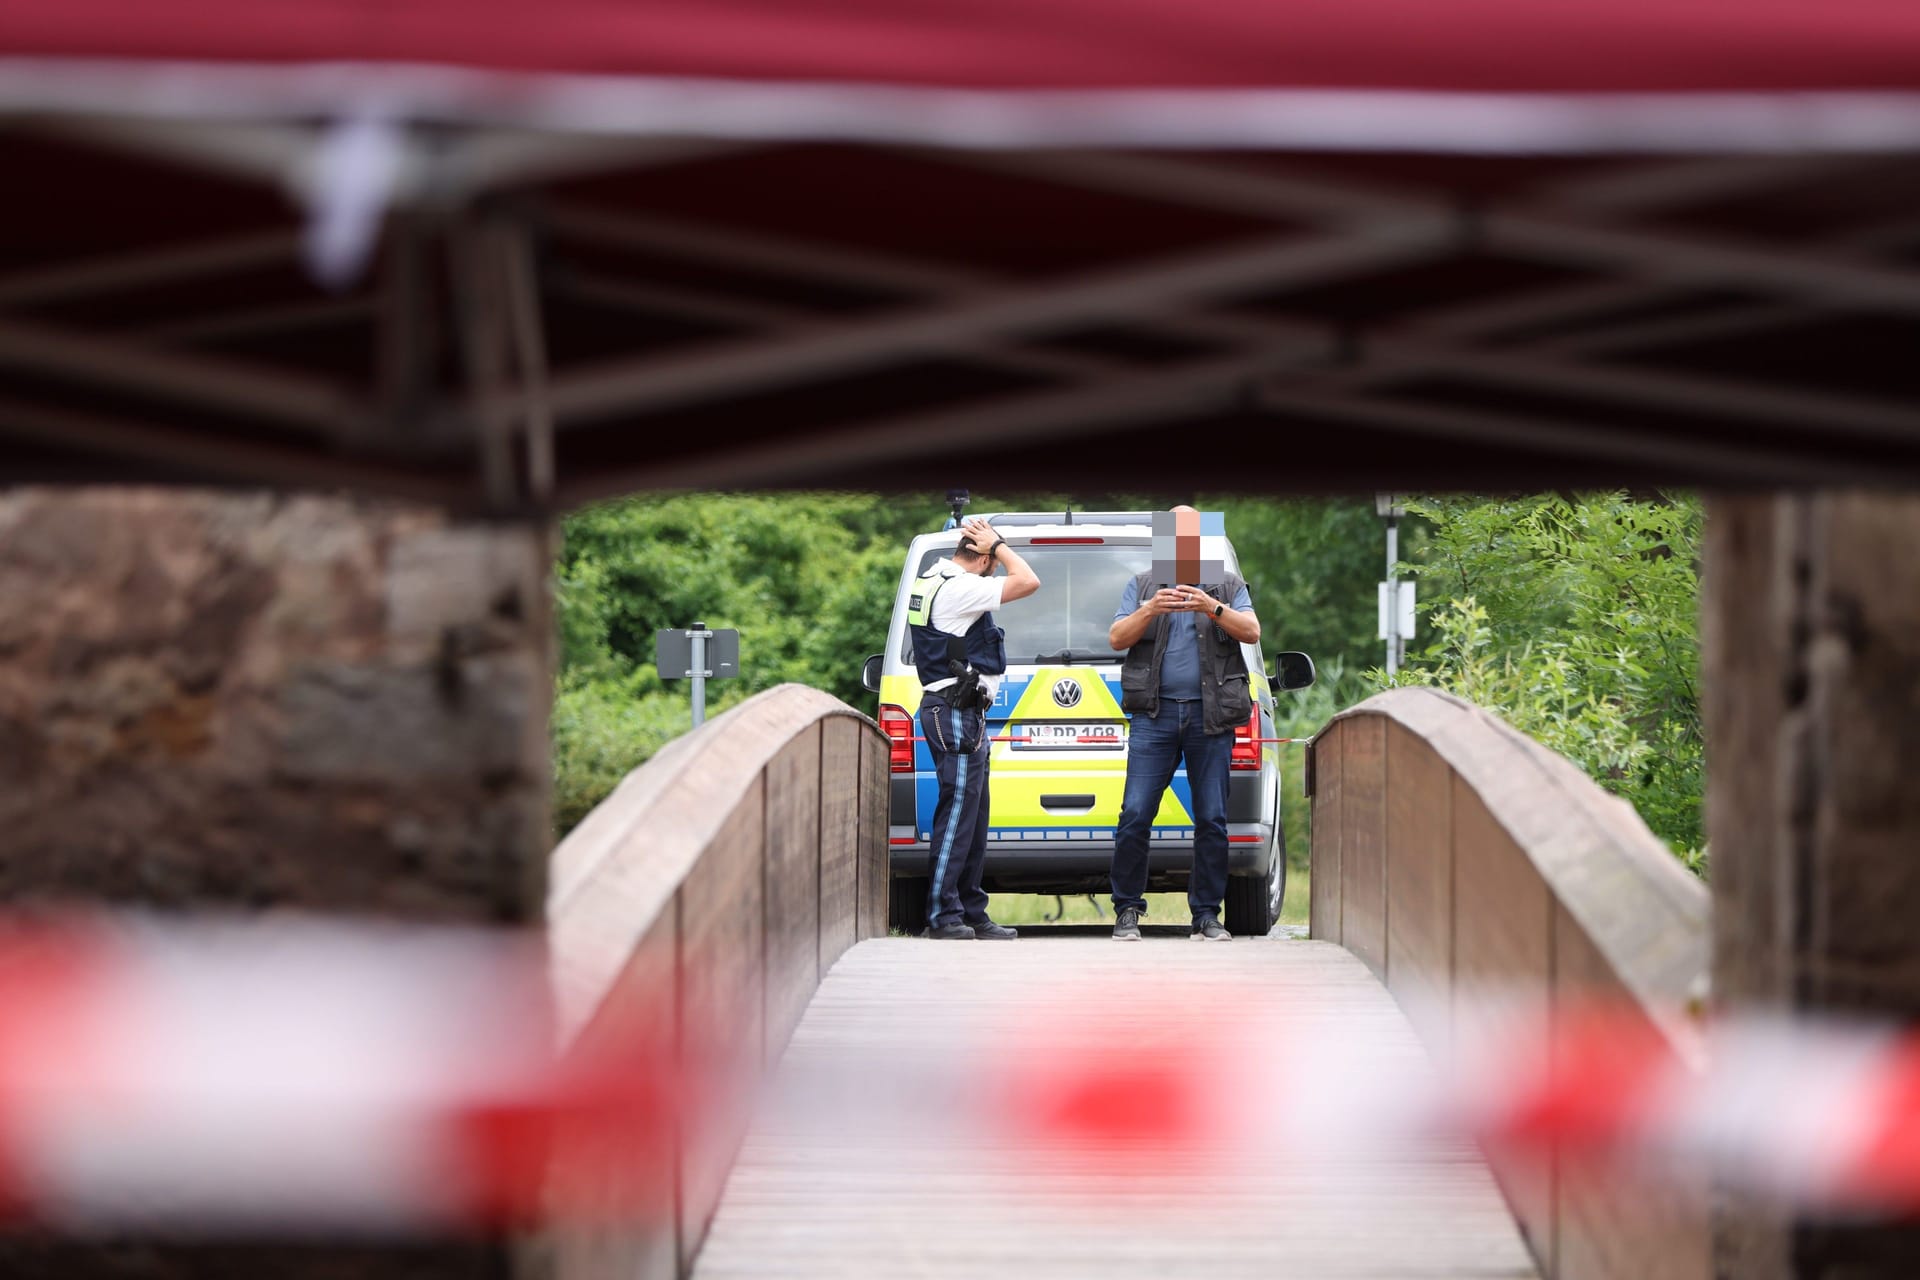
column 901, row 691
column 1037, row 706
column 1096, row 700
column 1021, row 778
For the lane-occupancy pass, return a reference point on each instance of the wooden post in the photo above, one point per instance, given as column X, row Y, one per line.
column 1811, row 647
column 234, row 702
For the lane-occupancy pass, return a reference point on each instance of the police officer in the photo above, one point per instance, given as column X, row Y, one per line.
column 960, row 654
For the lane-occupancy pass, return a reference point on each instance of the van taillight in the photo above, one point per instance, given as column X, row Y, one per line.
column 899, row 727
column 1246, row 743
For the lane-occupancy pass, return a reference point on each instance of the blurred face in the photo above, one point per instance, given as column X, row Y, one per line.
column 1188, row 546
column 1186, row 524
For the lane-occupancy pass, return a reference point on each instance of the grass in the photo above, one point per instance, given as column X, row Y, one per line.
column 1162, row 908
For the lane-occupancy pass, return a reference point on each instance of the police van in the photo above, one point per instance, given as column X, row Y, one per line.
column 1059, row 736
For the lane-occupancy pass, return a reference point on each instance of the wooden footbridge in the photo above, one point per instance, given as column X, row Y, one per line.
column 805, row 1201
column 744, row 870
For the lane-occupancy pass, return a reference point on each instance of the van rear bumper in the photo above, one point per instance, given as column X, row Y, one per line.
column 1068, row 865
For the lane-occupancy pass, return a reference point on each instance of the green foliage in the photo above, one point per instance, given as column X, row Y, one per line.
column 807, row 579
column 1572, row 618
column 1310, row 567
column 1575, row 620
column 800, row 579
column 602, row 730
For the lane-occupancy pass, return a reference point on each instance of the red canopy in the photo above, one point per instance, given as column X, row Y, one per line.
column 1463, row 74
column 485, row 291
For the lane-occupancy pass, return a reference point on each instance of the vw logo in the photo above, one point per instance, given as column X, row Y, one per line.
column 1066, row 692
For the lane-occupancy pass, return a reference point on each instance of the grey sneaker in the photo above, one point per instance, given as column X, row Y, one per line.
column 989, row 930
column 1126, row 928
column 1207, row 929
column 950, row 932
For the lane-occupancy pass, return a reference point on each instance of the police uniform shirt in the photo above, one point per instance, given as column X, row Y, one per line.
column 958, row 605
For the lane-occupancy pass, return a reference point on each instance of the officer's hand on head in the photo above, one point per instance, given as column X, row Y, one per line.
column 979, row 533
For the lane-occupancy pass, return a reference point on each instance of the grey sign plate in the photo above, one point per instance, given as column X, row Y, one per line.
column 673, row 654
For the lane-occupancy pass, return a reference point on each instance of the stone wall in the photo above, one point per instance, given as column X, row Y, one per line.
column 250, row 702
column 255, row 701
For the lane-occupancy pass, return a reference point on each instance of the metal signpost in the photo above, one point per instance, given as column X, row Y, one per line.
column 1396, row 597
column 698, row 654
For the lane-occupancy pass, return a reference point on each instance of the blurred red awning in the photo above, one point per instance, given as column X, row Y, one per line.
column 1491, row 75
column 513, row 257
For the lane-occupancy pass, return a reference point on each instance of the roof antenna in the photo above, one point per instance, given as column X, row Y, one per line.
column 1069, row 519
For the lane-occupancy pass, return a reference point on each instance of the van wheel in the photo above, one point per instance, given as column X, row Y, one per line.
column 1253, row 903
column 907, row 904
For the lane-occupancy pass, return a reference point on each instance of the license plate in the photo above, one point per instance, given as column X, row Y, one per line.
column 1077, row 737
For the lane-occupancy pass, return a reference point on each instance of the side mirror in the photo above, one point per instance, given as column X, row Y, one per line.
column 1295, row 671
column 870, row 672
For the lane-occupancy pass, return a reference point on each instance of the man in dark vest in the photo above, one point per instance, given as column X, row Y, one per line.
column 960, row 655
column 1184, row 687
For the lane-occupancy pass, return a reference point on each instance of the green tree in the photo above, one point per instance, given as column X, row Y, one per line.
column 1574, row 618
column 807, row 579
column 1310, row 567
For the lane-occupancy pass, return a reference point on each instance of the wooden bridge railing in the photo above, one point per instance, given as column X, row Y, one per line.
column 714, row 888
column 1455, row 855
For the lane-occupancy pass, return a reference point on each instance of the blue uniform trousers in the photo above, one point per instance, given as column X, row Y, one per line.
column 958, row 852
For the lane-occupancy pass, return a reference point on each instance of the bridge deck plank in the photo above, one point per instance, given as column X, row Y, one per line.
column 814, row 1198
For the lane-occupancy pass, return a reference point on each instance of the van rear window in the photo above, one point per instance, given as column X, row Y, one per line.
column 1080, row 587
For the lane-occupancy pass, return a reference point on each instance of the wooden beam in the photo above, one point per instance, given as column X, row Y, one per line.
column 688, row 304
column 254, row 322
column 789, row 324
column 528, row 331
column 1670, row 184
column 219, row 458
column 1454, row 325
column 850, row 348
column 1695, row 260
column 1774, row 407
column 754, row 250
column 490, row 159
column 475, row 253
column 272, row 153
column 286, row 398
column 1730, row 461
column 1539, row 234
column 999, row 421
column 121, row 272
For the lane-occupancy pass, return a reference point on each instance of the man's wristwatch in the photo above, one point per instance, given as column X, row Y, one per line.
column 1219, row 609
column 993, row 552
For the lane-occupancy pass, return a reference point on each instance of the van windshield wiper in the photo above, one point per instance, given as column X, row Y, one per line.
column 1071, row 656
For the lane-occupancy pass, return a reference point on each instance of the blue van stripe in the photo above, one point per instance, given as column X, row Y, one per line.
column 953, row 820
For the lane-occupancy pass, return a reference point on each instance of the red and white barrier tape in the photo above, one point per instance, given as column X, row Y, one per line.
column 295, row 1075
column 299, row 1075
column 1011, row 737
column 1821, row 1115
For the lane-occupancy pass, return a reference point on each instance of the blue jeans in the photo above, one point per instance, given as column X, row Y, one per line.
column 1155, row 747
